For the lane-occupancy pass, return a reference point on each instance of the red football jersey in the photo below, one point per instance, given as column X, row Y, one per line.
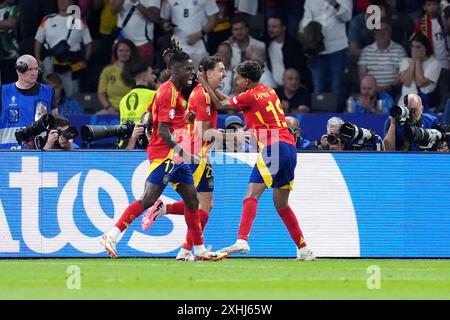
column 168, row 106
column 264, row 115
column 200, row 103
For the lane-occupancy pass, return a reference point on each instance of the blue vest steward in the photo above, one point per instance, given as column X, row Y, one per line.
column 19, row 110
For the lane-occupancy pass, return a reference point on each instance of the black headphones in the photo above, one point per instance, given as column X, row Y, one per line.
column 22, row 67
column 405, row 100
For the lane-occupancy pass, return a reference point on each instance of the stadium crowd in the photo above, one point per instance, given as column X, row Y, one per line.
column 319, row 56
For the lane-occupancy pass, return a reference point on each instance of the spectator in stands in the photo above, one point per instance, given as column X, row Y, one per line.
column 136, row 22
column 191, row 21
column 222, row 30
column 431, row 25
column 67, row 63
column 56, row 140
column 382, row 60
column 331, row 140
column 108, row 22
column 241, row 40
column 294, row 97
column 359, row 35
column 294, row 129
column 329, row 65
column 31, row 14
column 224, row 51
column 111, row 86
column 284, row 52
column 9, row 49
column 258, row 54
column 419, row 74
column 394, row 131
column 66, row 105
column 369, row 100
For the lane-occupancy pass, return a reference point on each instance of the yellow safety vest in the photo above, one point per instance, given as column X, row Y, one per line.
column 135, row 103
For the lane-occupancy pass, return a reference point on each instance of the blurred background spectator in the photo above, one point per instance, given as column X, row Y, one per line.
column 224, row 51
column 9, row 49
column 112, row 86
column 66, row 105
column 294, row 97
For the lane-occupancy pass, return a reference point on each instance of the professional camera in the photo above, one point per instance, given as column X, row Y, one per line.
column 427, row 138
column 91, row 133
column 358, row 136
column 45, row 123
column 69, row 133
column 332, row 139
column 400, row 113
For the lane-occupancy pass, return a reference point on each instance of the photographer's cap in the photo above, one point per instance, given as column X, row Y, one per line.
column 233, row 120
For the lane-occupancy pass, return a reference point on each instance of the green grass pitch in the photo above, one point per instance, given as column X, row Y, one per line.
column 150, row 278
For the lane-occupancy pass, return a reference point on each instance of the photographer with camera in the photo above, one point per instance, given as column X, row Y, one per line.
column 332, row 141
column 60, row 138
column 24, row 101
column 403, row 122
column 141, row 133
column 294, row 129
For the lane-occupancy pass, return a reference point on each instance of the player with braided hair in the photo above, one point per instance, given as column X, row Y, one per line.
column 205, row 123
column 168, row 160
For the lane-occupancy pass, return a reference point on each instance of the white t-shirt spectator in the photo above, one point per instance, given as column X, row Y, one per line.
column 237, row 56
column 440, row 49
column 189, row 16
column 54, row 28
column 332, row 21
column 384, row 66
column 138, row 29
column 276, row 57
column 431, row 69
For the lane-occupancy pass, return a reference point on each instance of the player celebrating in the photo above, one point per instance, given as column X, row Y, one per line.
column 276, row 163
column 205, row 121
column 166, row 160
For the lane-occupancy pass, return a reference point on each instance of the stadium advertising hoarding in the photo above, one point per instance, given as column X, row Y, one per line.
column 55, row 204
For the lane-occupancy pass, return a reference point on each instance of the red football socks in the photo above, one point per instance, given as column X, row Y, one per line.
column 204, row 216
column 291, row 223
column 248, row 215
column 175, row 208
column 192, row 218
column 133, row 211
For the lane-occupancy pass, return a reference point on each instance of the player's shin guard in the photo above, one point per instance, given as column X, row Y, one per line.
column 192, row 218
column 175, row 208
column 204, row 216
column 133, row 211
column 291, row 223
column 247, row 218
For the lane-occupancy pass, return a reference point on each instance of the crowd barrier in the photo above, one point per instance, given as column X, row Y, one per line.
column 58, row 204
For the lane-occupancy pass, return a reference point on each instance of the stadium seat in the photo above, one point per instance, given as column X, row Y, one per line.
column 325, row 102
column 89, row 100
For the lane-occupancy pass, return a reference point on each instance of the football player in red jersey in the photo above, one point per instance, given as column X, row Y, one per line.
column 199, row 104
column 167, row 161
column 276, row 163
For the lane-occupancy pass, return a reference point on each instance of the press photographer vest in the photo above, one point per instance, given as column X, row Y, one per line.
column 19, row 110
column 135, row 103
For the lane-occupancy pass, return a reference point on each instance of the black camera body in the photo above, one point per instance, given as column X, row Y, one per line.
column 69, row 133
column 45, row 123
column 333, row 139
column 90, row 133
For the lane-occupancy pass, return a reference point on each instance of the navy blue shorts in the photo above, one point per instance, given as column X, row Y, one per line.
column 203, row 176
column 163, row 171
column 275, row 166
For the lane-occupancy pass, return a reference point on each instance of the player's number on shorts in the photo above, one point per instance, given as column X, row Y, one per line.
column 170, row 165
column 275, row 110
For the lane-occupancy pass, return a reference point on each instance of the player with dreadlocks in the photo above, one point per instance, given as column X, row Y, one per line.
column 167, row 159
column 201, row 142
